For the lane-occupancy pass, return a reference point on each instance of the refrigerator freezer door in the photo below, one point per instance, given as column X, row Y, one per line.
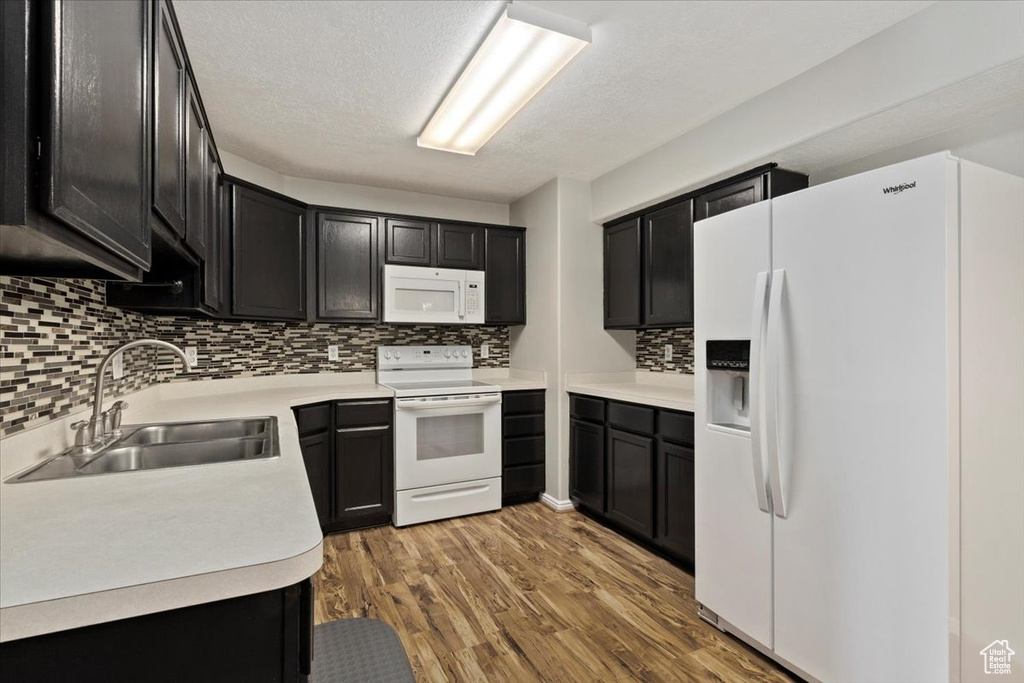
column 861, row 558
column 733, row 535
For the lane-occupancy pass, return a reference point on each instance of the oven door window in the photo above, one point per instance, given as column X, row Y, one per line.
column 449, row 436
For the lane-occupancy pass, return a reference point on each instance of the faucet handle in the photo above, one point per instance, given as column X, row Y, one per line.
column 83, row 433
column 115, row 417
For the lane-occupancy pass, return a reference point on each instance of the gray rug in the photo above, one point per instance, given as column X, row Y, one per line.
column 351, row 650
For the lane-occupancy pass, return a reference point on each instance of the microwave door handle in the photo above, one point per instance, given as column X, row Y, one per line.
column 462, row 301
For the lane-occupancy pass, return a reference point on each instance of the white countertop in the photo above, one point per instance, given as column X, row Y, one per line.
column 87, row 550
column 660, row 389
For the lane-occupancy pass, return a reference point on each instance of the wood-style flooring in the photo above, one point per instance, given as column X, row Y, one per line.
column 529, row 594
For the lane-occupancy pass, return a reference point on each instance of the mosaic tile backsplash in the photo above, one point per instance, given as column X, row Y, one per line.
column 54, row 333
column 650, row 350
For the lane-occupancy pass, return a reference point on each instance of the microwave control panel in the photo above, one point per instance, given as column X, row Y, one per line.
column 472, row 298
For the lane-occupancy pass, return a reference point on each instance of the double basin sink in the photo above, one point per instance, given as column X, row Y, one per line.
column 178, row 444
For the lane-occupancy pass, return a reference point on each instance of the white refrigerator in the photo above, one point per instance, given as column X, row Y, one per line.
column 859, row 362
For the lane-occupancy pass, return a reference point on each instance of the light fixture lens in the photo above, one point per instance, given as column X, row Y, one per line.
column 516, row 60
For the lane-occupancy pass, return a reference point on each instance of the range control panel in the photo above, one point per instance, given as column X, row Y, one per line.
column 728, row 354
column 412, row 357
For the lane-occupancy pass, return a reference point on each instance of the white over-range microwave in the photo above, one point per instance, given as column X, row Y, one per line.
column 416, row 294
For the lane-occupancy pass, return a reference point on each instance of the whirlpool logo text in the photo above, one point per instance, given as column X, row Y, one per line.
column 896, row 189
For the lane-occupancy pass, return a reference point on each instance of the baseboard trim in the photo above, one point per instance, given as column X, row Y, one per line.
column 555, row 504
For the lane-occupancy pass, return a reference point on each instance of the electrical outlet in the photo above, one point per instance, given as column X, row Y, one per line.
column 117, row 365
column 485, row 351
column 668, row 352
column 332, row 352
column 192, row 354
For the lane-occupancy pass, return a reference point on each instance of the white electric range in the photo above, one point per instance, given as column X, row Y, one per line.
column 447, row 433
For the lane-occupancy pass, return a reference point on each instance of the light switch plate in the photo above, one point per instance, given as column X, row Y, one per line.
column 192, row 353
column 668, row 352
column 117, row 365
column 485, row 351
column 332, row 352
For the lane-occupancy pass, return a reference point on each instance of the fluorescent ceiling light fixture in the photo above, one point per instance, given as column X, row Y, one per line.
column 525, row 49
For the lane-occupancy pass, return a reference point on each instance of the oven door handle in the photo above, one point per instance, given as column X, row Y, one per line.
column 432, row 402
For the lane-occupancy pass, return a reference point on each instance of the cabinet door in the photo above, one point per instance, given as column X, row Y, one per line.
column 586, row 463
column 674, row 528
column 505, row 277
column 268, row 252
column 212, row 291
column 195, row 175
column 363, row 476
column 169, row 78
column 741, row 193
column 668, row 266
column 95, row 173
column 316, row 454
column 622, row 274
column 460, row 246
column 631, row 481
column 408, row 242
column 347, row 267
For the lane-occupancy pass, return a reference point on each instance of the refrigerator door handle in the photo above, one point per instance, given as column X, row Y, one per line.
column 756, row 342
column 780, row 488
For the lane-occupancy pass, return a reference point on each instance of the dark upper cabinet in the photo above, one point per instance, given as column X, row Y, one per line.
column 505, row 278
column 348, row 268
column 675, row 500
column 630, row 468
column 409, row 242
column 195, row 175
column 267, row 256
column 622, row 273
column 316, row 454
column 460, row 246
column 212, row 263
column 738, row 194
column 363, row 476
column 75, row 130
column 668, row 266
column 169, row 149
column 586, row 463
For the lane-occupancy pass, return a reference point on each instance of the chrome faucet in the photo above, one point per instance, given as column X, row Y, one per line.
column 104, row 424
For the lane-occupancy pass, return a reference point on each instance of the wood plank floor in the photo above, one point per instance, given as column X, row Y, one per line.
column 528, row 594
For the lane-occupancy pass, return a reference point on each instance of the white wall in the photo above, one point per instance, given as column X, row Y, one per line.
column 565, row 330
column 364, row 197
column 995, row 141
column 947, row 43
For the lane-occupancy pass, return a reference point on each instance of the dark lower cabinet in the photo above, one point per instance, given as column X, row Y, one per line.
column 630, row 485
column 505, row 277
column 522, row 449
column 460, row 246
column 675, row 500
column 632, row 466
column 347, row 268
column 268, row 259
column 622, row 272
column 261, row 638
column 348, row 449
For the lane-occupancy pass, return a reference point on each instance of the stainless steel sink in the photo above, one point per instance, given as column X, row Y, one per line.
column 188, row 432
column 156, row 446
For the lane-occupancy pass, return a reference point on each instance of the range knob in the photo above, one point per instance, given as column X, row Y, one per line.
column 398, row 354
column 387, row 354
column 447, row 353
column 465, row 353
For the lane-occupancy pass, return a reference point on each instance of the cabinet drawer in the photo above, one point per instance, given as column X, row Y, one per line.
column 585, row 408
column 525, row 479
column 676, row 427
column 313, row 418
column 523, row 425
column 525, row 450
column 359, row 413
column 631, row 417
column 521, row 402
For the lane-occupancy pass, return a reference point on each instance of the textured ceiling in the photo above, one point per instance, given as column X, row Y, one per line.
column 340, row 90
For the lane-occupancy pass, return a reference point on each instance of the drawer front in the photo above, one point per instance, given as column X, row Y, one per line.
column 525, row 450
column 586, row 408
column 522, row 402
column 525, row 479
column 523, row 425
column 676, row 427
column 313, row 418
column 362, row 413
column 631, row 417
